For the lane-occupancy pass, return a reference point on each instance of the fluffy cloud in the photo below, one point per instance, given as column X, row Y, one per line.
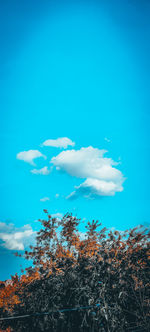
column 13, row 238
column 86, row 162
column 102, row 178
column 29, row 156
column 62, row 142
column 44, row 199
column 42, row 171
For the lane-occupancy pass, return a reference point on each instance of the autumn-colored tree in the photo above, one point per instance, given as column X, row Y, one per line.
column 106, row 271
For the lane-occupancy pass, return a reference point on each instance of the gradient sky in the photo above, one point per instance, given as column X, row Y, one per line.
column 75, row 69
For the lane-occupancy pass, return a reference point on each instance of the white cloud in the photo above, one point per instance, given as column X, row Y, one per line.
column 57, row 195
column 29, row 156
column 42, row 171
column 62, row 142
column 13, row 238
column 101, row 177
column 44, row 199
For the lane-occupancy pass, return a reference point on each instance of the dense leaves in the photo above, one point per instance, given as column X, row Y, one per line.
column 107, row 271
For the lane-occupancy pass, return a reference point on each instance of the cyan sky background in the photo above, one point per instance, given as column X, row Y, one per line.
column 76, row 69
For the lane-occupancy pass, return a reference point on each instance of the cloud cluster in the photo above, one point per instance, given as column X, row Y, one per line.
column 13, row 238
column 101, row 177
column 62, row 142
column 101, row 174
column 30, row 155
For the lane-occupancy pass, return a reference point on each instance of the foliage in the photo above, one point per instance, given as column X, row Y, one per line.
column 107, row 270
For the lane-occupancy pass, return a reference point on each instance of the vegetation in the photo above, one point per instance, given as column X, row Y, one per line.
column 107, row 271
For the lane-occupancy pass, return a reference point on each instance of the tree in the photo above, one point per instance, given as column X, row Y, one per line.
column 108, row 272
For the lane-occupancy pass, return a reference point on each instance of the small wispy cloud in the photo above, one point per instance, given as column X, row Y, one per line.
column 57, row 215
column 13, row 238
column 42, row 171
column 30, row 155
column 62, row 142
column 44, row 199
column 57, row 195
column 107, row 139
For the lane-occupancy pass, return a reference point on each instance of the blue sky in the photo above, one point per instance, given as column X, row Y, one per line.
column 77, row 70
